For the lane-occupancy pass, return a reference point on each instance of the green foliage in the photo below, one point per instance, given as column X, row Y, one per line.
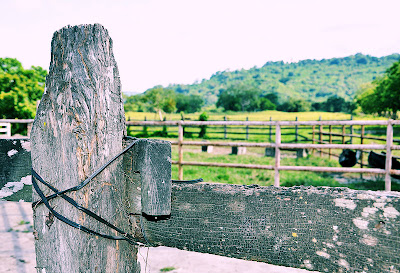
column 334, row 104
column 266, row 104
column 310, row 80
column 239, row 98
column 159, row 100
column 203, row 128
column 20, row 89
column 382, row 95
column 244, row 98
column 156, row 99
column 295, row 105
column 188, row 103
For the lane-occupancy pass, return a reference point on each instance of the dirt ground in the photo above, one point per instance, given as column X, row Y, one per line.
column 17, row 253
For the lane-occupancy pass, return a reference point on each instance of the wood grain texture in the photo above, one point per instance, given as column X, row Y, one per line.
column 79, row 125
column 323, row 229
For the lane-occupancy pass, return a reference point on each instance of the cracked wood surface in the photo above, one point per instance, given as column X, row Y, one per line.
column 80, row 124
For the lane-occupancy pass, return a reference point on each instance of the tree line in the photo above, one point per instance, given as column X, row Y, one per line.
column 21, row 88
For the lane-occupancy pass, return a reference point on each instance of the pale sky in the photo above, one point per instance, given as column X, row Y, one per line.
column 160, row 42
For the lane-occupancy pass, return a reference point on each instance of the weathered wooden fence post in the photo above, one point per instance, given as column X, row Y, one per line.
column 80, row 124
column 320, row 136
column 277, row 154
column 313, row 138
column 247, row 129
column 388, row 164
column 330, row 141
column 180, row 150
column 270, row 130
column 351, row 131
column 225, row 130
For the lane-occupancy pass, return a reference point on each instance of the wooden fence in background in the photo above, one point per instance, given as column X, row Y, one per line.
column 317, row 143
column 274, row 129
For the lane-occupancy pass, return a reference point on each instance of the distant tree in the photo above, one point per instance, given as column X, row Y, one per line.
column 20, row 89
column 134, row 103
column 239, row 98
column 273, row 97
column 368, row 100
column 188, row 103
column 160, row 99
column 382, row 95
column 335, row 104
column 361, row 59
column 295, row 105
column 284, row 80
column 266, row 104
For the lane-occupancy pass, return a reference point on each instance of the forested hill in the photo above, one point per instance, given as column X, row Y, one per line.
column 313, row 80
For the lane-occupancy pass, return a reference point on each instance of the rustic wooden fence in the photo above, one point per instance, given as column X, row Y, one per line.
column 278, row 146
column 317, row 142
column 99, row 195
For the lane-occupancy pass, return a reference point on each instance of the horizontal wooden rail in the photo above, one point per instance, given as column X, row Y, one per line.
column 358, row 136
column 265, row 123
column 17, row 120
column 226, row 165
column 287, row 168
column 288, row 145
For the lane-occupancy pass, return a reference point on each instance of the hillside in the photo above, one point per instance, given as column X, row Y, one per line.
column 313, row 80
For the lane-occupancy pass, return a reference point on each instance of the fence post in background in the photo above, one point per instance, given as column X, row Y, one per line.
column 351, row 131
column 388, row 165
column 313, row 138
column 296, row 137
column 183, row 128
column 247, row 129
column 145, row 131
column 70, row 144
column 180, row 151
column 343, row 133
column 225, row 133
column 164, row 128
column 330, row 141
column 270, row 130
column 362, row 152
column 277, row 153
column 320, row 136
column 29, row 129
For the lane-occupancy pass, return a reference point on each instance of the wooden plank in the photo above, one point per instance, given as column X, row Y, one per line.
column 79, row 126
column 322, row 229
column 152, row 160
